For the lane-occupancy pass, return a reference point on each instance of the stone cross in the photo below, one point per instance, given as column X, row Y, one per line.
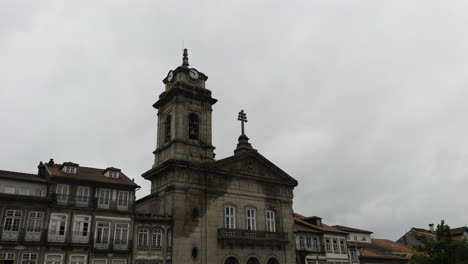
column 243, row 118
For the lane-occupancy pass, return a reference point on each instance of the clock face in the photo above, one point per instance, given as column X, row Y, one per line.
column 193, row 73
column 170, row 76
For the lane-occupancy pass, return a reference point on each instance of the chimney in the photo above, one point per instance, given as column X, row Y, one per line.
column 431, row 227
column 51, row 162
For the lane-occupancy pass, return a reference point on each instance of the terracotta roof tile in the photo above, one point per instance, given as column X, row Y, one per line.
column 351, row 229
column 90, row 175
column 382, row 249
column 324, row 228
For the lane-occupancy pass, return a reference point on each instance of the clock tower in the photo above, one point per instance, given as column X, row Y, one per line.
column 184, row 117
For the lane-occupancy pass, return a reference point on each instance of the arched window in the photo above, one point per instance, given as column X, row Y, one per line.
column 253, row 260
column 193, row 126
column 270, row 221
column 272, row 261
column 157, row 238
column 167, row 128
column 231, row 260
column 143, row 237
column 251, row 217
column 230, row 217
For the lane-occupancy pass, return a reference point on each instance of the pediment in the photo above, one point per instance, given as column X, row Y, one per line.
column 252, row 164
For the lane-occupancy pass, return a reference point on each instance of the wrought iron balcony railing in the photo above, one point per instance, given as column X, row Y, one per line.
column 87, row 202
column 23, row 235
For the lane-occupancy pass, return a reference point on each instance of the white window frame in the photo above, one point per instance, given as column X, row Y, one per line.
column 8, row 256
column 9, row 189
column 15, row 218
column 56, row 232
column 342, row 244
column 230, row 217
column 301, row 242
column 328, row 244
column 336, row 246
column 118, row 238
column 82, row 194
column 270, row 221
column 102, row 199
column 123, row 202
column 53, row 262
column 79, row 225
column 70, row 169
column 143, row 237
column 156, row 238
column 62, row 191
column 24, row 191
column 39, row 192
column 308, row 242
column 77, row 255
column 34, row 222
column 29, row 259
column 315, row 243
column 103, row 228
column 251, row 218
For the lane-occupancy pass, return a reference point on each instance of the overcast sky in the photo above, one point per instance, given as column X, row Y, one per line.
column 363, row 102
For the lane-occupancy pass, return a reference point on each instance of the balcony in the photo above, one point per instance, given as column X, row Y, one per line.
column 23, row 236
column 250, row 237
column 112, row 246
column 87, row 202
column 78, row 238
column 318, row 249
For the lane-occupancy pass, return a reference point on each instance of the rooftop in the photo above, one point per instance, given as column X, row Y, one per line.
column 89, row 174
column 21, row 176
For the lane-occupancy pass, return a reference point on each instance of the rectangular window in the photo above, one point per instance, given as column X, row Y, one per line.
column 143, row 237
column 82, row 194
column 29, row 258
column 104, row 197
column 12, row 220
column 342, row 246
column 309, row 242
column 58, row 224
column 53, row 259
column 301, row 242
column 270, row 221
column 7, row 256
column 157, row 238
column 230, row 217
column 81, row 226
column 9, row 189
column 24, row 191
column 315, row 244
column 122, row 198
column 39, row 192
column 34, row 221
column 77, row 259
column 335, row 246
column 328, row 244
column 62, row 192
column 353, row 255
column 251, row 219
column 102, row 232
column 121, row 234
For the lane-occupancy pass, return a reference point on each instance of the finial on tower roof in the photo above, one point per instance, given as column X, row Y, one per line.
column 185, row 59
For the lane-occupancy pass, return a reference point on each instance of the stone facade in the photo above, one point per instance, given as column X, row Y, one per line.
column 233, row 210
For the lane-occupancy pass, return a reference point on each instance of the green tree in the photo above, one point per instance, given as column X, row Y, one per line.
column 442, row 249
